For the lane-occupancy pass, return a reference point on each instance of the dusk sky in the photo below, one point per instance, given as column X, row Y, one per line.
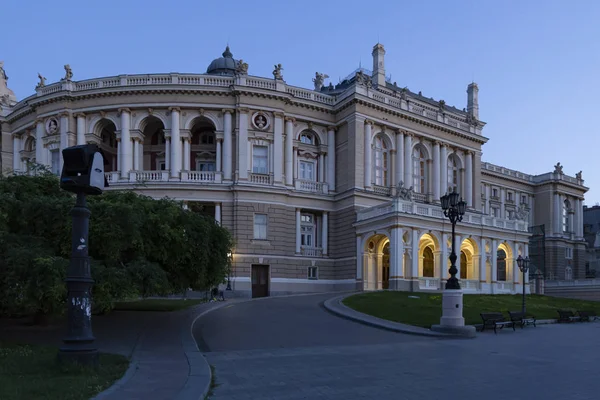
column 537, row 62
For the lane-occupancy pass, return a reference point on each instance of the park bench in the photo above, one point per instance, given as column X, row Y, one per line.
column 567, row 316
column 521, row 318
column 587, row 315
column 495, row 320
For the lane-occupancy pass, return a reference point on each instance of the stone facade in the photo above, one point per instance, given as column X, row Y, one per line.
column 329, row 189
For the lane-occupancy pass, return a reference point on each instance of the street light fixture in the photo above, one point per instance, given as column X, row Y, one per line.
column 523, row 264
column 454, row 210
column 229, row 273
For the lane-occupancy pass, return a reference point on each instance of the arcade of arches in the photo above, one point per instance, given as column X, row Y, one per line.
column 408, row 259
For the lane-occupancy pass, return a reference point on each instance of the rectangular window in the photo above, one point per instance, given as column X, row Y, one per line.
column 55, row 162
column 313, row 272
column 509, row 196
column 568, row 253
column 523, row 199
column 162, row 166
column 495, row 212
column 494, row 192
column 307, row 170
column 307, row 230
column 260, row 159
column 260, row 226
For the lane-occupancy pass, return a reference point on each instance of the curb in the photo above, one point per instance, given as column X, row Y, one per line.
column 335, row 306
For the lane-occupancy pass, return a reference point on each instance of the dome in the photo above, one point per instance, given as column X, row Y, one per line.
column 223, row 65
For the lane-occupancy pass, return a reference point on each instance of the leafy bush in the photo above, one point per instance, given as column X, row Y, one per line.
column 149, row 278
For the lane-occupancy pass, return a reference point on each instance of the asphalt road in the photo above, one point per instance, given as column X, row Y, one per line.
column 291, row 348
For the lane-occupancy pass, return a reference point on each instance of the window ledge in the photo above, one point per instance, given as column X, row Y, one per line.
column 260, row 242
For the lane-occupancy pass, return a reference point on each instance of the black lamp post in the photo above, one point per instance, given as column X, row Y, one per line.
column 229, row 274
column 523, row 264
column 454, row 210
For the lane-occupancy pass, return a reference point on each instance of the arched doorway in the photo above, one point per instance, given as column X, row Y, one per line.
column 463, row 265
column 155, row 145
column 105, row 130
column 429, row 268
column 501, row 265
column 428, row 263
column 385, row 266
column 376, row 263
column 203, row 148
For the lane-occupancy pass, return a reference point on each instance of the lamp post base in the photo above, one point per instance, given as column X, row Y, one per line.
column 452, row 320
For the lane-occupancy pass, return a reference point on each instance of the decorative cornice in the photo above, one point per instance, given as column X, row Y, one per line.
column 120, row 111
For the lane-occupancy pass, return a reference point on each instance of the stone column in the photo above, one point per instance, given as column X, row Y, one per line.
column 368, row 152
column 16, row 153
column 444, row 169
column 557, row 215
column 186, row 154
column 396, row 256
column 80, row 128
column 167, row 153
column 40, row 155
column 457, row 251
column 219, row 158
column 482, row 263
column 125, row 154
column 502, row 202
column 359, row 258
column 495, row 261
column 580, row 221
column 436, row 171
column 469, row 178
column 572, row 215
column 324, row 233
column 408, row 181
column 298, row 232
column 414, row 268
column 289, row 151
column 218, row 213
column 175, row 143
column 392, row 167
column 331, row 157
column 321, row 167
column 486, row 206
column 136, row 154
column 399, row 165
column 477, row 181
column 243, row 144
column 119, row 158
column 227, row 145
column 64, row 136
column 278, row 148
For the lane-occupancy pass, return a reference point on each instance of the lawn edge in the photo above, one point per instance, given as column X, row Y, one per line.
column 129, row 373
column 336, row 307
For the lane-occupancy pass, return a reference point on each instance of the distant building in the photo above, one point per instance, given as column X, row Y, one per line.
column 331, row 188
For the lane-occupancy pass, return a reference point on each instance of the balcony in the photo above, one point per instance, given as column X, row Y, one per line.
column 150, row 177
column 261, row 179
column 307, row 251
column 303, row 185
column 399, row 207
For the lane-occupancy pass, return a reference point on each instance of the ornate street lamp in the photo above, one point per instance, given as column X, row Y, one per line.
column 523, row 264
column 229, row 274
column 453, row 210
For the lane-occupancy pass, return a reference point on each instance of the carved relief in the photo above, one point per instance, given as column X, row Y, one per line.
column 260, row 121
column 52, row 125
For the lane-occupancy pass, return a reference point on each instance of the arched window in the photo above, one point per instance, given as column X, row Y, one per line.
column 453, row 173
column 565, row 215
column 419, row 170
column 501, row 265
column 463, row 265
column 381, row 160
column 307, row 138
column 428, row 264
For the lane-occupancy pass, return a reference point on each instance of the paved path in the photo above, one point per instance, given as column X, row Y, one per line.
column 290, row 348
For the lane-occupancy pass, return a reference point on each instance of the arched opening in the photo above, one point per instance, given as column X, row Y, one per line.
column 381, row 161
column 385, row 266
column 155, row 148
column 105, row 130
column 376, row 263
column 463, row 265
column 420, row 171
column 501, row 265
column 428, row 262
column 454, row 166
column 309, row 160
column 203, row 148
column 469, row 260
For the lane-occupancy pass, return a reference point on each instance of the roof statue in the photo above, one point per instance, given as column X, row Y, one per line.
column 68, row 73
column 578, row 175
column 241, row 68
column 277, row 72
column 442, row 105
column 7, row 96
column 319, row 80
column 42, row 81
column 558, row 169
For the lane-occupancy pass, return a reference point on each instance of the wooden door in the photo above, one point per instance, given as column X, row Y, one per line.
column 260, row 281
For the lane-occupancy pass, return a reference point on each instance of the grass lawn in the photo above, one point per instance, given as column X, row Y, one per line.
column 156, row 305
column 426, row 310
column 31, row 372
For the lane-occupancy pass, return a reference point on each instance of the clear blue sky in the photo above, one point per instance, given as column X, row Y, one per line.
column 537, row 62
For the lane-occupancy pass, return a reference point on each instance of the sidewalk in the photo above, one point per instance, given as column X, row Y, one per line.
column 164, row 360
